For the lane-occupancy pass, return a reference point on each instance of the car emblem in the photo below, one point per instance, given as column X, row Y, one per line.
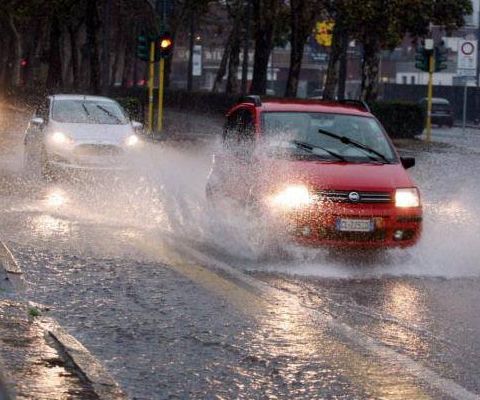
column 354, row 197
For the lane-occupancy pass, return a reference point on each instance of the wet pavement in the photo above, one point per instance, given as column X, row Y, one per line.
column 31, row 364
column 111, row 261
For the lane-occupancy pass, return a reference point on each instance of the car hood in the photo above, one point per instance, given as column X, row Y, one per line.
column 93, row 133
column 337, row 176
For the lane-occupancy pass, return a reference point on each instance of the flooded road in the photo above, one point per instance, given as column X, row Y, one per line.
column 146, row 278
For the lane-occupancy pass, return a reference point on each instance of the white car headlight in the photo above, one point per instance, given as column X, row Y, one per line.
column 132, row 140
column 408, row 197
column 60, row 139
column 293, row 196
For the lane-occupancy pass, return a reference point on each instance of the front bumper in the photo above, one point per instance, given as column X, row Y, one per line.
column 69, row 167
column 317, row 226
column 442, row 119
column 70, row 163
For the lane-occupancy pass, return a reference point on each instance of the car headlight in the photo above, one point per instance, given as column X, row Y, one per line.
column 60, row 139
column 293, row 196
column 405, row 198
column 132, row 140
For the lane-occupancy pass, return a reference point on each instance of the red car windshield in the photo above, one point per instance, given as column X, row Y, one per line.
column 284, row 129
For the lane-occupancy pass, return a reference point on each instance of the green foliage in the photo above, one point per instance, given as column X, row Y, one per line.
column 34, row 312
column 400, row 119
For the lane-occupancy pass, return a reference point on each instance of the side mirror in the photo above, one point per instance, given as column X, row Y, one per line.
column 407, row 162
column 37, row 121
column 137, row 125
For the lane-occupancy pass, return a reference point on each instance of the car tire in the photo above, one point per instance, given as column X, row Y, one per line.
column 35, row 163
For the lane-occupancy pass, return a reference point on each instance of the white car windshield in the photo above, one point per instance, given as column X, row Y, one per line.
column 88, row 112
column 286, row 129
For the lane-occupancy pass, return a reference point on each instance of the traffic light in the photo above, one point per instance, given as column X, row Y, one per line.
column 422, row 59
column 441, row 57
column 143, row 47
column 165, row 45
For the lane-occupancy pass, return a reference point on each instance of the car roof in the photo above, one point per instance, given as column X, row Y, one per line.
column 437, row 100
column 79, row 97
column 309, row 105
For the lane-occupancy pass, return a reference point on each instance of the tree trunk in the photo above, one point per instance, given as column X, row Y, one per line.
column 370, row 69
column 264, row 14
column 330, row 89
column 233, row 64
column 106, row 31
column 116, row 63
column 74, row 54
column 15, row 68
column 343, row 65
column 222, row 69
column 54, row 77
column 91, row 27
column 298, row 37
column 246, row 44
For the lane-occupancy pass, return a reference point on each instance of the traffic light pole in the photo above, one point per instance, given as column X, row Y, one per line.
column 150, row 86
column 161, row 81
column 431, row 67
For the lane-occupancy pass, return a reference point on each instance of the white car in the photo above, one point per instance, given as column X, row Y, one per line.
column 76, row 132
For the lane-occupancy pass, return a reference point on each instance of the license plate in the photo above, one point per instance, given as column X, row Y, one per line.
column 355, row 225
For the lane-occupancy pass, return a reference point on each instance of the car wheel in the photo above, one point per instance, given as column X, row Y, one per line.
column 264, row 238
column 34, row 161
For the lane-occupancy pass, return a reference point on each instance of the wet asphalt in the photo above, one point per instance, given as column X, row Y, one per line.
column 109, row 260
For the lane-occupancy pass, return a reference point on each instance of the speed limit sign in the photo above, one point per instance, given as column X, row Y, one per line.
column 467, row 58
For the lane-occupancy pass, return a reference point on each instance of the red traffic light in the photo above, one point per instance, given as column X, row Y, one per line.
column 165, row 45
column 23, row 62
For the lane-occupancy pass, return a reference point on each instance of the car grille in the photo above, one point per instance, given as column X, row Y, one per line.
column 365, row 197
column 329, row 234
column 97, row 150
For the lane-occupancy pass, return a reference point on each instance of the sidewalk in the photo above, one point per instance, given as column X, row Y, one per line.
column 38, row 359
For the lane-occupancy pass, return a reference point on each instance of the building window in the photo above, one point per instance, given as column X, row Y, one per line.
column 412, row 80
column 404, row 80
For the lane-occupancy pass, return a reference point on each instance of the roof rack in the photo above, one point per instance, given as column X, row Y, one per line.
column 360, row 104
column 255, row 99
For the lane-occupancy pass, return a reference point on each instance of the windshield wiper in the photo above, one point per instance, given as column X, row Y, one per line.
column 86, row 110
column 310, row 147
column 110, row 114
column 359, row 145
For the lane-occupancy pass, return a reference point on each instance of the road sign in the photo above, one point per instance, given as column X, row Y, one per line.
column 197, row 60
column 467, row 58
column 324, row 33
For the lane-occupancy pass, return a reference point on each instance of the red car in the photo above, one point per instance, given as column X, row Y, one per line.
column 324, row 173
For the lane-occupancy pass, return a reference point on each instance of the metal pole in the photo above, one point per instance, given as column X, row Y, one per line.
column 431, row 63
column 478, row 52
column 150, row 86
column 465, row 92
column 160, row 95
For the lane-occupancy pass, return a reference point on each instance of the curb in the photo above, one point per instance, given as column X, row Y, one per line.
column 84, row 363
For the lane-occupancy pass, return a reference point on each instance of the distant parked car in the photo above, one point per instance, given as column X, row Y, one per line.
column 76, row 132
column 442, row 113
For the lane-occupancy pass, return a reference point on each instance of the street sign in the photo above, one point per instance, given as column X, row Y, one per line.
column 324, row 33
column 467, row 58
column 197, row 60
